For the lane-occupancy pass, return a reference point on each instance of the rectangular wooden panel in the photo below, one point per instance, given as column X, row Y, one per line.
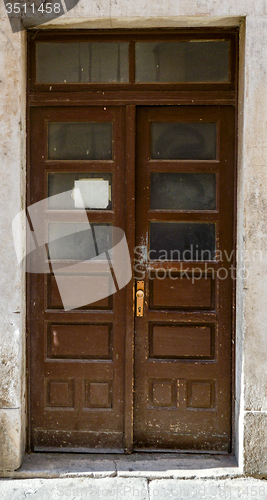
column 74, row 341
column 181, row 293
column 78, row 441
column 181, row 341
column 54, row 300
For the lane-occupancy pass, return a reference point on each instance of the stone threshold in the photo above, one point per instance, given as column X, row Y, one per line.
column 138, row 465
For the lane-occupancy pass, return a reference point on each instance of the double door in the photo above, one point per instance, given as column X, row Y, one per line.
column 145, row 366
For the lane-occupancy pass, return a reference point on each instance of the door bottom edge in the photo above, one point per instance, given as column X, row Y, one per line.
column 99, row 451
column 181, row 452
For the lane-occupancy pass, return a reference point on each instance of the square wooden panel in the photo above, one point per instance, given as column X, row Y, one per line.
column 200, row 394
column 98, row 394
column 162, row 393
column 60, row 393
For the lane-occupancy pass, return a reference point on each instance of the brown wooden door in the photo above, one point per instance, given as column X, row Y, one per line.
column 184, row 238
column 80, row 388
column 76, row 356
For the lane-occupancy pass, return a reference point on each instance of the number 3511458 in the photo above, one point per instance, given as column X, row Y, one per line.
column 25, row 8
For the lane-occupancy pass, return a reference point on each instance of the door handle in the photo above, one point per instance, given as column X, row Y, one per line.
column 140, row 294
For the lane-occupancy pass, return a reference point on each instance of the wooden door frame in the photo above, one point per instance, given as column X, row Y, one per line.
column 131, row 95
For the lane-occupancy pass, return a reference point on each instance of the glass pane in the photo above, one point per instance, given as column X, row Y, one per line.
column 182, row 191
column 182, row 241
column 82, row 62
column 79, row 141
column 75, row 241
column 96, row 195
column 183, row 141
column 193, row 61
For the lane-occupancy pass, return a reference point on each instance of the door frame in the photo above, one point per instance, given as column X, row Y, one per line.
column 131, row 95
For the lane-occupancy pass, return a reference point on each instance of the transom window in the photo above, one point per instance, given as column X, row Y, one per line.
column 134, row 59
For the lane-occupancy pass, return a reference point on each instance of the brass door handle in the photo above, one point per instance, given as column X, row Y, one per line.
column 140, row 294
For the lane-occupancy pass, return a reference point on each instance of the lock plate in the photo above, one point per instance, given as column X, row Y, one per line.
column 140, row 294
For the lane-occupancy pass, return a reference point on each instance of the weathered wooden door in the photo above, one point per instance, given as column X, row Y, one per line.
column 184, row 253
column 184, row 197
column 184, row 194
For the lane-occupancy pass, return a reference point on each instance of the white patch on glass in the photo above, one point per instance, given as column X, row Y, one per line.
column 94, row 193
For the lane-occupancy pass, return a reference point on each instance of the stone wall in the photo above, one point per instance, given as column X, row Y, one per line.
column 12, row 303
column 251, row 309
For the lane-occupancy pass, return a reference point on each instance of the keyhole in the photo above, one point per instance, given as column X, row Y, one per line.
column 139, row 309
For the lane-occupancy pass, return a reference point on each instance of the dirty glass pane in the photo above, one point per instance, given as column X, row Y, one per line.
column 84, row 62
column 79, row 141
column 181, row 62
column 182, row 191
column 183, row 141
column 185, row 241
column 77, row 241
column 63, row 183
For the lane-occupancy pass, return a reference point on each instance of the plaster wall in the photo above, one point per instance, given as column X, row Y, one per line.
column 251, row 310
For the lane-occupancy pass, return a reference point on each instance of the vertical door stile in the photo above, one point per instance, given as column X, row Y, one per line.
column 130, row 234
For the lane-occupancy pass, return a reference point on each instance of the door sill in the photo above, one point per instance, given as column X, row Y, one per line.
column 146, row 465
